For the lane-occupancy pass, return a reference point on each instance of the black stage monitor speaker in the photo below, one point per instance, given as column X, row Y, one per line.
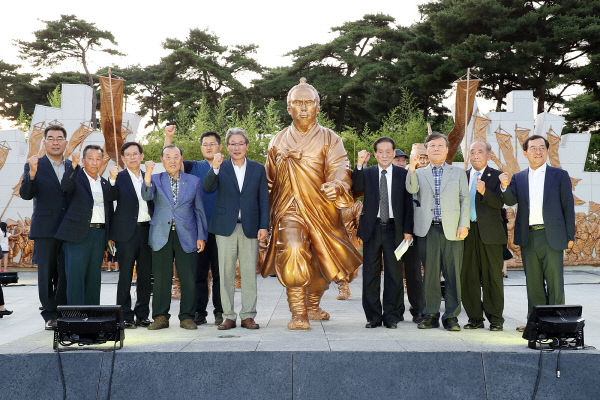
column 8, row 277
column 563, row 324
column 86, row 325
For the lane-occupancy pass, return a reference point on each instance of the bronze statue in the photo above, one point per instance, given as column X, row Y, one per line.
column 309, row 181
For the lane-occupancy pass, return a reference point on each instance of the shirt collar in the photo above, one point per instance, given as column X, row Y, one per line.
column 56, row 164
column 174, row 179
column 243, row 165
column 388, row 169
column 90, row 178
column 133, row 176
column 539, row 170
column 438, row 168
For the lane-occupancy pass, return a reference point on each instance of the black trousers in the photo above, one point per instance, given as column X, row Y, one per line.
column 1, row 296
column 382, row 241
column 52, row 284
column 208, row 260
column 162, row 269
column 414, row 279
column 129, row 252
column 482, row 272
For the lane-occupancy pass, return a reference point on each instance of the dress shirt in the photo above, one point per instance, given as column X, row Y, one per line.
column 388, row 177
column 58, row 167
column 98, row 196
column 437, row 179
column 536, row 180
column 143, row 214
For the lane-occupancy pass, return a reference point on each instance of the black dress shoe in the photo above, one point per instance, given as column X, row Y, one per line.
column 199, row 319
column 130, row 324
column 142, row 322
column 496, row 327
column 390, row 325
column 218, row 318
column 417, row 318
column 474, row 325
column 428, row 323
column 451, row 324
column 5, row 312
column 373, row 324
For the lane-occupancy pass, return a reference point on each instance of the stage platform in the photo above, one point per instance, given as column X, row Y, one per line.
column 336, row 359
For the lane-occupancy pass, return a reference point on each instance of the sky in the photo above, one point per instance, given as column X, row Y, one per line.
column 140, row 27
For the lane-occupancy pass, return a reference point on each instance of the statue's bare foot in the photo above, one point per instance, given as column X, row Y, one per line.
column 343, row 291
column 299, row 323
column 318, row 315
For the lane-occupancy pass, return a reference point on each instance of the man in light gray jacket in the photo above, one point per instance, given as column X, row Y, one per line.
column 442, row 220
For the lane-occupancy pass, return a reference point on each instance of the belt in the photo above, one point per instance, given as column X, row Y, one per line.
column 144, row 223
column 436, row 222
column 536, row 227
column 98, row 226
column 390, row 221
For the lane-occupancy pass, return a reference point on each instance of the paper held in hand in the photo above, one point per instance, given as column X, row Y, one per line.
column 402, row 247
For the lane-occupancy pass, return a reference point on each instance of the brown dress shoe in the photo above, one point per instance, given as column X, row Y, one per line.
column 227, row 324
column 521, row 328
column 249, row 323
column 160, row 322
column 188, row 323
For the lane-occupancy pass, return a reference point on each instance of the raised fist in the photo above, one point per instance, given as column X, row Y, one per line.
column 363, row 157
column 170, row 131
column 75, row 159
column 504, row 180
column 33, row 164
column 217, row 161
column 414, row 161
column 480, row 186
column 149, row 167
column 113, row 171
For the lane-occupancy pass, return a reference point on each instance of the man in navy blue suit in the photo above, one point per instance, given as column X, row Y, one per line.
column 84, row 228
column 129, row 230
column 41, row 182
column 545, row 222
column 239, row 221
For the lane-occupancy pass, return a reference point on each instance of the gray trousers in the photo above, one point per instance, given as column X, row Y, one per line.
column 230, row 249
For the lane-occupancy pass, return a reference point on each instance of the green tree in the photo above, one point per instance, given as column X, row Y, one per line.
column 200, row 67
column 68, row 38
column 518, row 44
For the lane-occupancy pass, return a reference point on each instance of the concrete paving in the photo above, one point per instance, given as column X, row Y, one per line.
column 22, row 332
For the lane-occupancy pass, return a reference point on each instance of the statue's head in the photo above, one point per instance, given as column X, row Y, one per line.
column 303, row 104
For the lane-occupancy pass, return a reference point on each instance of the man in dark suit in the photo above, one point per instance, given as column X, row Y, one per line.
column 386, row 220
column 545, row 222
column 129, row 230
column 85, row 226
column 41, row 182
column 483, row 260
column 177, row 234
column 240, row 220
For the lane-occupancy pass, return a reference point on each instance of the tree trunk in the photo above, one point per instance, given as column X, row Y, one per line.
column 339, row 124
column 541, row 99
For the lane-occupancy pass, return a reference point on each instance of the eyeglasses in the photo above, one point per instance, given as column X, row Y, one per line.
column 537, row 149
column 209, row 144
column 56, row 140
column 236, row 144
column 131, row 155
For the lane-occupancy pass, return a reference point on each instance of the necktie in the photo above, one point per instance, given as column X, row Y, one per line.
column 473, row 193
column 384, row 207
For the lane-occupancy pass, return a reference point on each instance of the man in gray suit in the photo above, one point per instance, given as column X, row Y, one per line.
column 442, row 220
